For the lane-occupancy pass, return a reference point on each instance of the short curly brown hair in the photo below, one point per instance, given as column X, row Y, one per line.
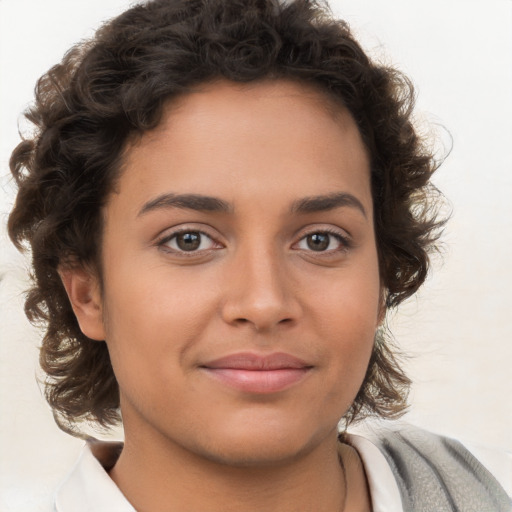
column 114, row 86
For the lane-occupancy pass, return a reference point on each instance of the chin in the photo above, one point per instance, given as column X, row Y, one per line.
column 261, row 445
column 253, row 456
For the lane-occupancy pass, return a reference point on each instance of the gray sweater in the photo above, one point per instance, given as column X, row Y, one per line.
column 437, row 474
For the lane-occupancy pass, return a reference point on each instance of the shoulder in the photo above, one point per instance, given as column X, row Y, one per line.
column 434, row 472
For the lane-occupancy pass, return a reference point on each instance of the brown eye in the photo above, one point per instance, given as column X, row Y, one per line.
column 188, row 241
column 323, row 241
column 318, row 241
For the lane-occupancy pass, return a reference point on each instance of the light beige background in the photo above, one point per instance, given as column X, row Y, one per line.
column 458, row 331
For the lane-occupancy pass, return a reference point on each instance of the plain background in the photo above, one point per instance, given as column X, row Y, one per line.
column 458, row 331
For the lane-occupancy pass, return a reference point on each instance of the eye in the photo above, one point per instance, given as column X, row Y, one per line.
column 188, row 241
column 322, row 241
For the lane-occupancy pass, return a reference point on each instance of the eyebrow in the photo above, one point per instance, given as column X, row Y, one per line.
column 203, row 203
column 186, row 201
column 327, row 202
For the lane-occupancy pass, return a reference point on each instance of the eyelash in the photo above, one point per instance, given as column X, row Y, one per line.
column 162, row 243
column 345, row 242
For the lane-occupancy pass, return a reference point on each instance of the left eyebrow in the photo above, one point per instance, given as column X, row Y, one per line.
column 327, row 202
column 196, row 202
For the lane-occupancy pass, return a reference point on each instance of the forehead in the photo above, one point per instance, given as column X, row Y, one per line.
column 238, row 140
column 238, row 100
column 235, row 101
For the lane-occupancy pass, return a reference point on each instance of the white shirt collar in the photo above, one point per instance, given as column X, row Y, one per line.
column 89, row 488
column 384, row 491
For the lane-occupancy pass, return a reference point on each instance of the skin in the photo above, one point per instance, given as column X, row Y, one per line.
column 255, row 284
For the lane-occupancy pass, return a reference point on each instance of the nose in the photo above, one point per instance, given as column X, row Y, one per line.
column 260, row 291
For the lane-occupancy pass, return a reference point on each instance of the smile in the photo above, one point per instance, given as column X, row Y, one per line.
column 253, row 373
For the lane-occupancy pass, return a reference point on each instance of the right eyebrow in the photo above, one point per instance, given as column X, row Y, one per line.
column 196, row 202
column 328, row 202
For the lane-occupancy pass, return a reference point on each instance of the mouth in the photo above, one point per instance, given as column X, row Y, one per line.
column 258, row 374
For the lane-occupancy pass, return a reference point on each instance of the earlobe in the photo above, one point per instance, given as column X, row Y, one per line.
column 84, row 294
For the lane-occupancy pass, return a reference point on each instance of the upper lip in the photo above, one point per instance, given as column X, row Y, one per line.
column 262, row 362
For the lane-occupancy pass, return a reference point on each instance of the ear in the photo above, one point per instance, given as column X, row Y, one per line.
column 83, row 289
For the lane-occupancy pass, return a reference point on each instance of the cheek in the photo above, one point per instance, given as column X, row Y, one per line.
column 151, row 299
column 150, row 322
column 346, row 318
column 348, row 301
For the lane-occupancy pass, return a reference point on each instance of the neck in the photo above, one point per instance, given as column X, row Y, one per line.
column 152, row 476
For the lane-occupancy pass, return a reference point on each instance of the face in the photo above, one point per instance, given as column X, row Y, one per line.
column 241, row 284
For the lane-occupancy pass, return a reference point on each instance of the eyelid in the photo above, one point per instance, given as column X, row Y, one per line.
column 340, row 234
column 167, row 235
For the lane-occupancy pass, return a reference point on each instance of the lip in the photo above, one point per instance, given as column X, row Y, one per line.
column 258, row 374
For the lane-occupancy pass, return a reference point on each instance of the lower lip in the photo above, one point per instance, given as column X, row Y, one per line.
column 259, row 381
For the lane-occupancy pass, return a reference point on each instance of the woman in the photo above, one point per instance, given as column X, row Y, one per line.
column 223, row 199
